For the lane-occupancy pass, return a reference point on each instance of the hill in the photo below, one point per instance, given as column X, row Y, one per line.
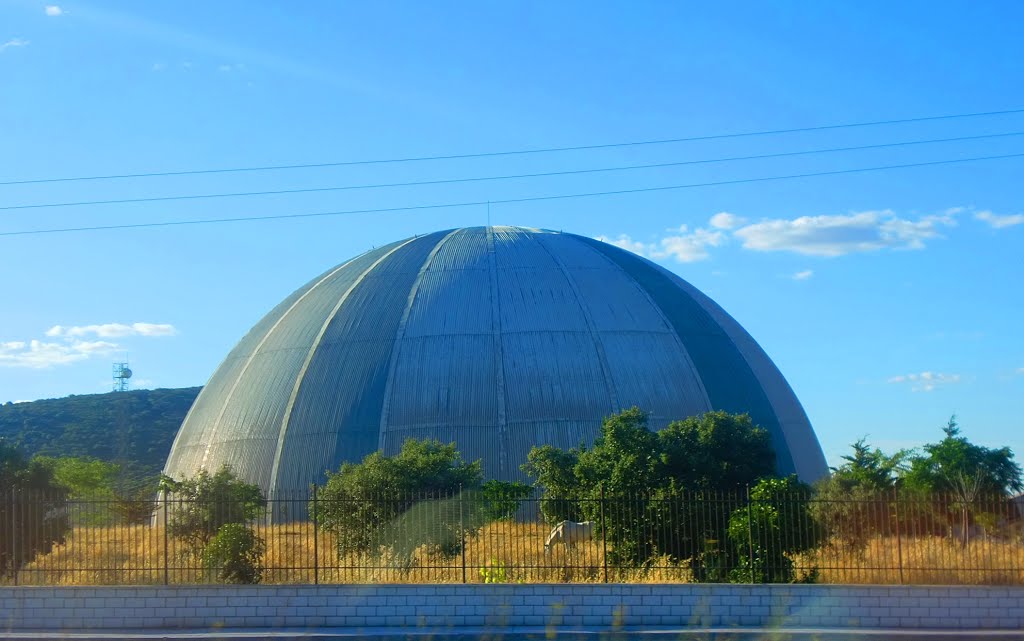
column 133, row 428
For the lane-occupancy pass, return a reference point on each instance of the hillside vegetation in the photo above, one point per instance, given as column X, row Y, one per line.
column 134, row 429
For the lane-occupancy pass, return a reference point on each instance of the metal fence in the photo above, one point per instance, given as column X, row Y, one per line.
column 468, row 537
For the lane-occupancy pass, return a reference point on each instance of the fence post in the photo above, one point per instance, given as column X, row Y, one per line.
column 462, row 535
column 750, row 536
column 167, row 570
column 316, row 541
column 604, row 540
column 899, row 538
column 15, row 535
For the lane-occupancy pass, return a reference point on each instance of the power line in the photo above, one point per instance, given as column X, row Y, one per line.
column 514, row 152
column 382, row 210
column 449, row 181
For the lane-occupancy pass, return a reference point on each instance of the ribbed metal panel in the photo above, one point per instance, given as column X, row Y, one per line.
column 451, row 302
column 616, row 303
column 560, row 433
column 514, row 249
column 336, row 413
column 497, row 339
column 537, row 299
column 650, row 372
column 552, row 376
column 466, row 251
column 457, row 387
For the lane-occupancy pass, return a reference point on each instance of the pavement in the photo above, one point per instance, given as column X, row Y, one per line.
column 521, row 634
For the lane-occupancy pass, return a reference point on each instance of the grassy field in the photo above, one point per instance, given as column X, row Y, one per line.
column 503, row 552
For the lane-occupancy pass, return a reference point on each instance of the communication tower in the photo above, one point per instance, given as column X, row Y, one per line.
column 121, row 376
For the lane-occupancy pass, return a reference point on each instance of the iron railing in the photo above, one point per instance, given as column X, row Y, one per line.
column 464, row 537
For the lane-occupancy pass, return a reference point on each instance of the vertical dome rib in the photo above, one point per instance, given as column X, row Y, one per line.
column 336, row 414
column 300, row 377
column 661, row 378
column 400, row 335
column 602, row 357
column 499, row 358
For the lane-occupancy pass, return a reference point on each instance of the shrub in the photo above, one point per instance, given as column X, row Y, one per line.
column 235, row 555
column 201, row 505
column 369, row 505
column 502, row 499
column 33, row 510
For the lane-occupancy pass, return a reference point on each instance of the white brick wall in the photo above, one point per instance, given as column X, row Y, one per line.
column 443, row 606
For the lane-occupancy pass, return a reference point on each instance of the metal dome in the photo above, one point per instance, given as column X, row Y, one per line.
column 497, row 338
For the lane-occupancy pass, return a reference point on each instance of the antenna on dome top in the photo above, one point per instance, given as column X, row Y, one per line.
column 488, row 213
column 121, row 375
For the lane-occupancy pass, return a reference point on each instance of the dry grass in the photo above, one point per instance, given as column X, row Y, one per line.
column 922, row 561
column 502, row 552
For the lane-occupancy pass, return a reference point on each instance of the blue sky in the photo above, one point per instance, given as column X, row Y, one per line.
column 890, row 300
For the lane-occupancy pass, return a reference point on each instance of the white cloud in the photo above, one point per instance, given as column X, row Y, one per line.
column 725, row 220
column 12, row 43
column 827, row 235
column 804, row 275
column 684, row 246
column 925, row 381
column 843, row 234
column 998, row 222
column 625, row 242
column 41, row 355
column 70, row 344
column 689, row 247
column 53, row 10
column 114, row 330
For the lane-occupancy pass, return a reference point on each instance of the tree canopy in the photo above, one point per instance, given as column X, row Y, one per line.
column 954, row 462
column 367, row 505
column 32, row 514
column 204, row 503
column 717, row 451
column 714, row 451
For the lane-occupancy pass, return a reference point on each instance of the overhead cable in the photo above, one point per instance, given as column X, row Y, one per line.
column 515, row 152
column 380, row 210
column 546, row 174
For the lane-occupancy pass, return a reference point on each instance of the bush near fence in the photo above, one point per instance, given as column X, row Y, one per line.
column 905, row 539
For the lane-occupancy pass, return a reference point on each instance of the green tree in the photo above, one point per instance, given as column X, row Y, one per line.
column 716, row 451
column 625, row 464
column 554, row 470
column 944, row 466
column 235, row 554
column 501, row 499
column 362, row 503
column 202, row 504
column 660, row 484
column 83, row 477
column 966, row 480
column 764, row 534
column 33, row 510
column 856, row 502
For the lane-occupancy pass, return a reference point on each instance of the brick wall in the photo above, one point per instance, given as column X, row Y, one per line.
column 441, row 606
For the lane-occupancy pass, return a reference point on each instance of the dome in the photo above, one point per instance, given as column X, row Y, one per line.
column 496, row 338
